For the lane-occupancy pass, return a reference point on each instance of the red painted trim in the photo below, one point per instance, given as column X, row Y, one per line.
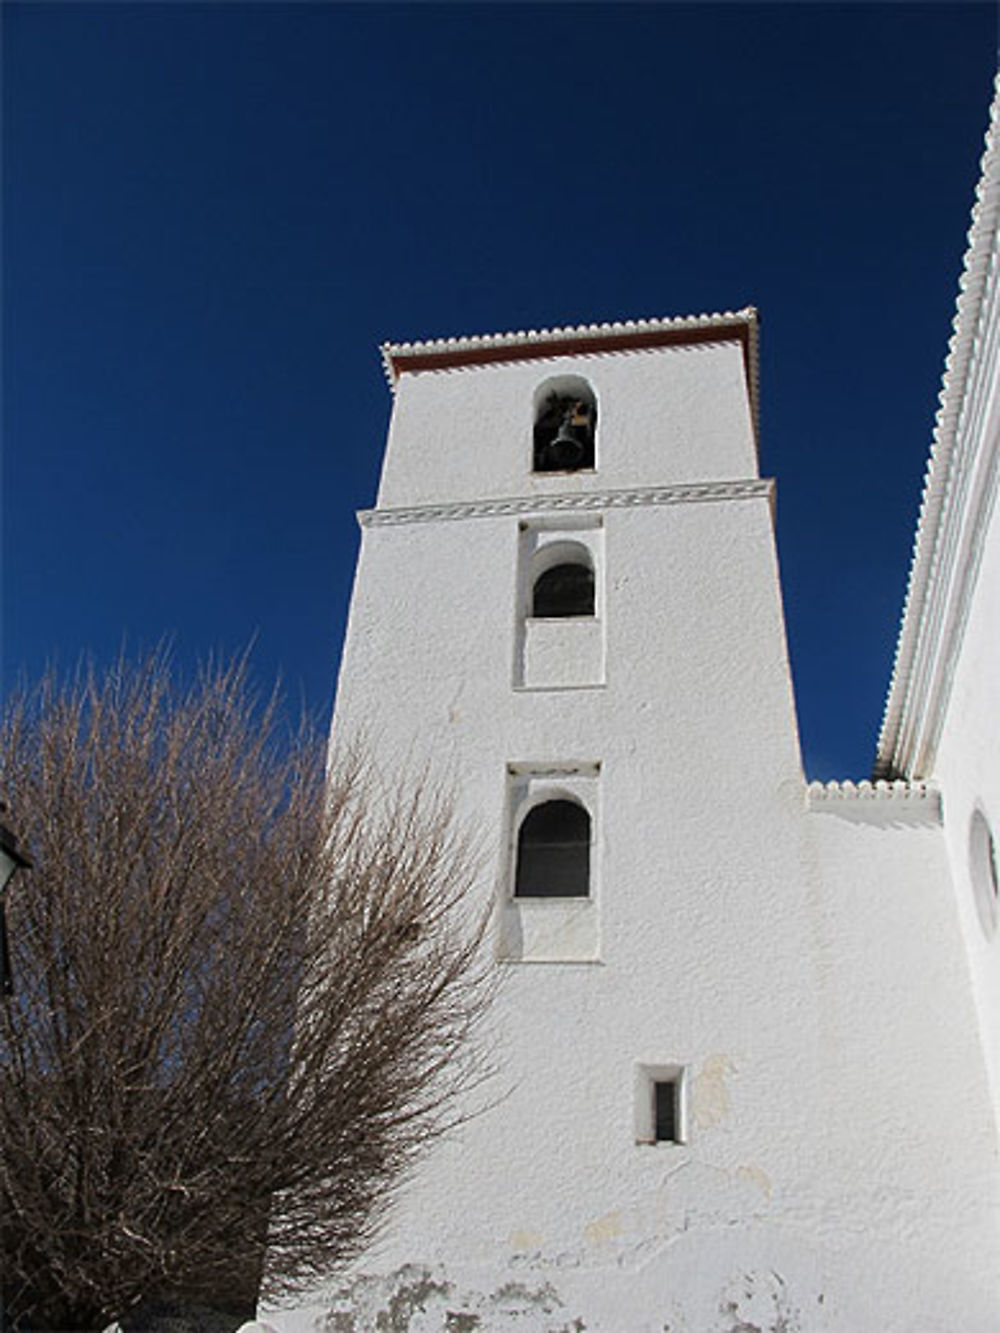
column 570, row 346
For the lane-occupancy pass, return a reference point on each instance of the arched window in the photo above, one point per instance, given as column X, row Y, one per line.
column 565, row 423
column 553, row 852
column 985, row 872
column 564, row 590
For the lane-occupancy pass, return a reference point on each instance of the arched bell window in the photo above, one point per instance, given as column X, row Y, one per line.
column 564, row 590
column 553, row 851
column 565, row 425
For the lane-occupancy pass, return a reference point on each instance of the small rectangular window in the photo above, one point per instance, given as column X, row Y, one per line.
column 660, row 1112
column 665, row 1111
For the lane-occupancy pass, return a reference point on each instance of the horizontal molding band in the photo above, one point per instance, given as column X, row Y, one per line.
column 696, row 493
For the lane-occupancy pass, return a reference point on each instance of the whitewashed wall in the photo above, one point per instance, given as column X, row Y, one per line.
column 968, row 769
column 967, row 759
column 799, row 958
column 693, row 425
column 943, row 712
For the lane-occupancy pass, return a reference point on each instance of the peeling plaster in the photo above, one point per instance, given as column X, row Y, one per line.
column 758, row 1303
column 460, row 1323
column 415, row 1299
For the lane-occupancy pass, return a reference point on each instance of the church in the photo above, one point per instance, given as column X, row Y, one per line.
column 749, row 1026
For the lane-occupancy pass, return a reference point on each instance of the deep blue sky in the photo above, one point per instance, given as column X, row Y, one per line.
column 213, row 213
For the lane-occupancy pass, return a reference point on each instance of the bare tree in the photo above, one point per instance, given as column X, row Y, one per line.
column 243, row 995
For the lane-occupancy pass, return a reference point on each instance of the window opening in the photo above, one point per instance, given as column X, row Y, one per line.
column 553, row 852
column 564, row 431
column 665, row 1111
column 564, row 590
column 985, row 873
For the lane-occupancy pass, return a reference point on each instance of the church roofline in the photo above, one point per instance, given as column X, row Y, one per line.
column 581, row 339
column 902, row 802
column 959, row 488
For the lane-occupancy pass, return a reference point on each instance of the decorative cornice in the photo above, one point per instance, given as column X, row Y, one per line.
column 959, row 493
column 582, row 340
column 698, row 493
column 919, row 801
column 396, row 356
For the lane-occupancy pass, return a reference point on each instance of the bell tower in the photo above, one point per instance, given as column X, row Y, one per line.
column 567, row 604
column 568, row 594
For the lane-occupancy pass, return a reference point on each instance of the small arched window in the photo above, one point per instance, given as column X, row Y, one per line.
column 983, row 863
column 564, row 590
column 553, row 852
column 565, row 424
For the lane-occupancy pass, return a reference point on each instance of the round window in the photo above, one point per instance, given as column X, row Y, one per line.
column 985, row 875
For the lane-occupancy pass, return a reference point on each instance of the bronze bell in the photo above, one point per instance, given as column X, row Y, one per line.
column 566, row 449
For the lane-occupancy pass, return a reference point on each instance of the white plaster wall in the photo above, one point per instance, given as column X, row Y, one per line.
column 791, row 961
column 898, row 1037
column 696, row 659
column 834, row 1174
column 967, row 760
column 943, row 716
column 968, row 770
column 806, row 970
column 665, row 415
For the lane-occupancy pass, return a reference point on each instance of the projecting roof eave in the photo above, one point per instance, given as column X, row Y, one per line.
column 958, row 485
column 536, row 344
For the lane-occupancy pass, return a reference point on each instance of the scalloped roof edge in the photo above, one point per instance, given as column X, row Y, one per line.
column 436, row 353
column 934, row 508
column 880, row 790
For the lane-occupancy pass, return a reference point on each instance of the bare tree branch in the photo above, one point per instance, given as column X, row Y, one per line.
column 245, row 994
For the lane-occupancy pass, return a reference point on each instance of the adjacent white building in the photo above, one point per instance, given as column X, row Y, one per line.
column 749, row 1034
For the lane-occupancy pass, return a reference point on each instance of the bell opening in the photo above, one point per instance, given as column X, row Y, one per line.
column 564, row 434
